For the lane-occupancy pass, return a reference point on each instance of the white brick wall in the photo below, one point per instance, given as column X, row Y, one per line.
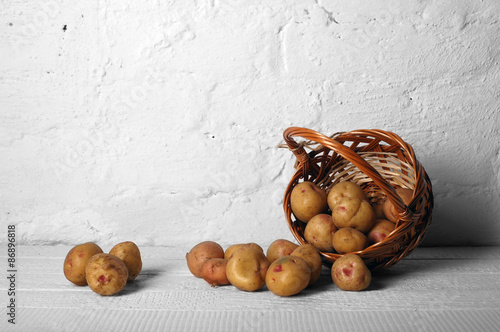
column 157, row 121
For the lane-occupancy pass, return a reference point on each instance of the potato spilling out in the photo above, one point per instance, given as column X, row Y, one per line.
column 213, row 271
column 319, row 232
column 247, row 268
column 229, row 251
column 355, row 213
column 106, row 274
column 388, row 208
column 350, row 273
column 346, row 221
column 344, row 189
column 348, row 239
column 76, row 261
column 308, row 253
column 380, row 230
column 200, row 253
column 130, row 254
column 280, row 248
column 307, row 200
column 288, row 276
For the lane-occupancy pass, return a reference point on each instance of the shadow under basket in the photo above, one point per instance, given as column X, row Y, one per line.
column 378, row 161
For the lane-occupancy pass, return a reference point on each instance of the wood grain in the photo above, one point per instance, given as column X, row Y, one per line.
column 434, row 289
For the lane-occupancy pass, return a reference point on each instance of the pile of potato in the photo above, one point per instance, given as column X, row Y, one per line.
column 285, row 269
column 105, row 274
column 343, row 221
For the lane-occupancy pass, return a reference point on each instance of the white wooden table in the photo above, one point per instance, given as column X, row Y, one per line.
column 433, row 289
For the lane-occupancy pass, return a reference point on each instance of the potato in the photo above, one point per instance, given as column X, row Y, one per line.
column 344, row 189
column 200, row 253
column 349, row 240
column 288, row 276
column 308, row 253
column 307, row 200
column 378, row 209
column 388, row 208
column 246, row 270
column 213, row 271
column 130, row 254
column 280, row 248
column 106, row 274
column 355, row 213
column 380, row 230
column 319, row 232
column 350, row 273
column 229, row 251
column 76, row 260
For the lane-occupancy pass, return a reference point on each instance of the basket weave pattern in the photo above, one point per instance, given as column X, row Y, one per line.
column 377, row 160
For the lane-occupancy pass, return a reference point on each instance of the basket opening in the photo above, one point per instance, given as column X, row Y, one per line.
column 384, row 155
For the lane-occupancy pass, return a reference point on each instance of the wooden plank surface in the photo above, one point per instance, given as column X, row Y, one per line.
column 434, row 289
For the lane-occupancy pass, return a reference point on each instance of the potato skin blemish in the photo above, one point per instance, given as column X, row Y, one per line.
column 347, row 272
column 278, row 268
column 106, row 274
column 288, row 276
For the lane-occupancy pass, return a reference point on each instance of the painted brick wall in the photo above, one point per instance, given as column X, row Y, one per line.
column 158, row 121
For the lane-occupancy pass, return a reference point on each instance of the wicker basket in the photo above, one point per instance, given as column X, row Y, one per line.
column 379, row 162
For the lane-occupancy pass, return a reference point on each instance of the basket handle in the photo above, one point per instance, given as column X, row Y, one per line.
column 348, row 154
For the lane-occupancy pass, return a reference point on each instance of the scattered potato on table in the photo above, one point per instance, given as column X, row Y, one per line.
column 130, row 254
column 213, row 271
column 76, row 261
column 229, row 251
column 106, row 274
column 246, row 270
column 313, row 259
column 288, row 276
column 280, row 248
column 200, row 253
column 349, row 273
